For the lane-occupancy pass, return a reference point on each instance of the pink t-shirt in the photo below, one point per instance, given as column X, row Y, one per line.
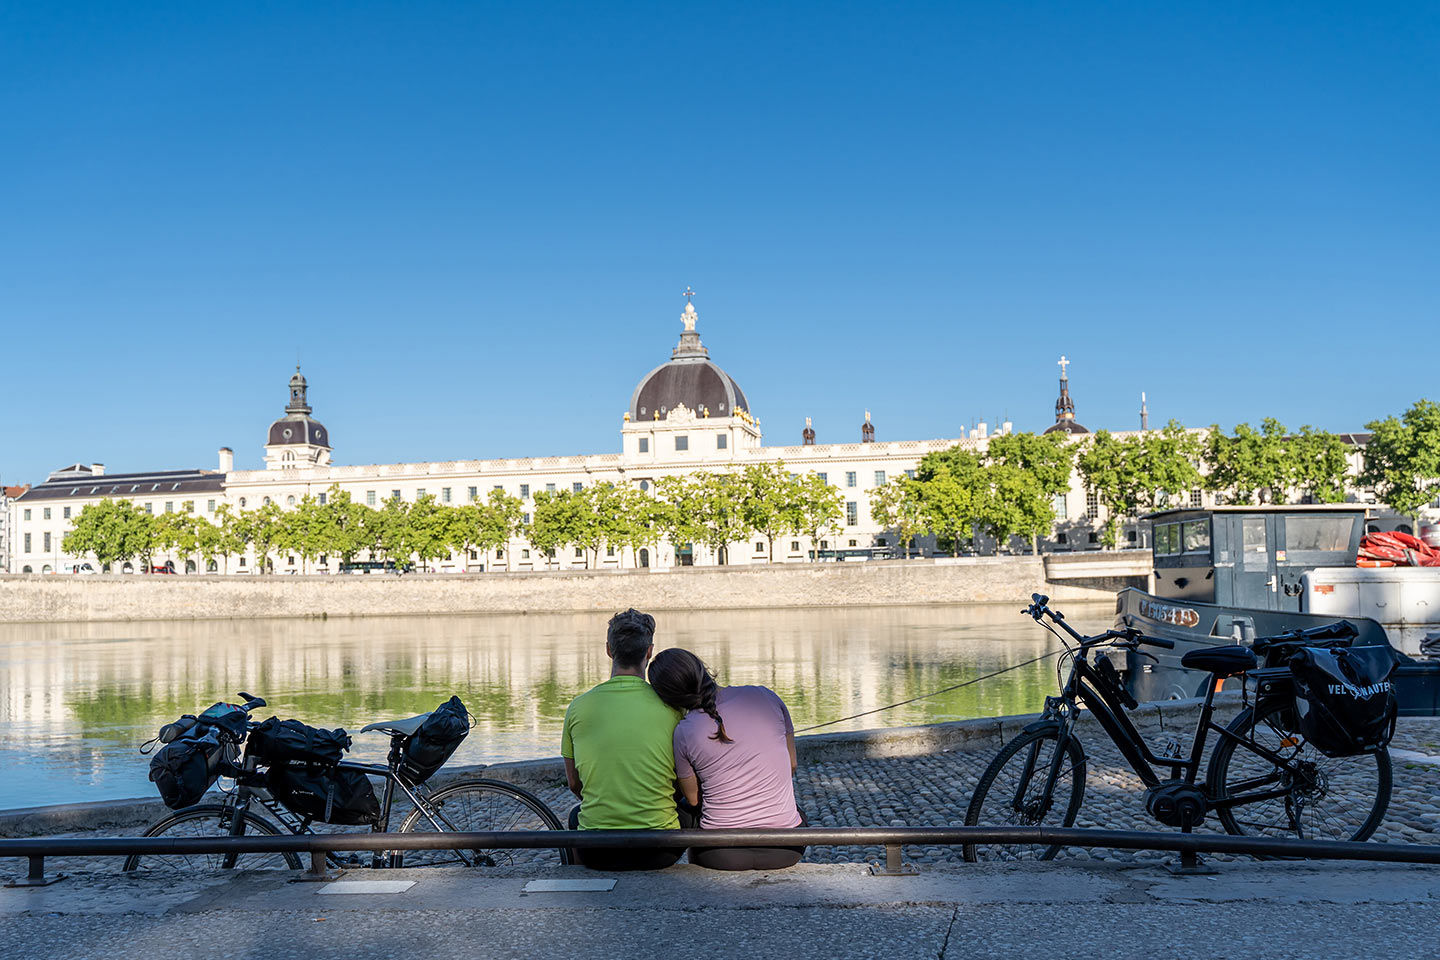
column 746, row 783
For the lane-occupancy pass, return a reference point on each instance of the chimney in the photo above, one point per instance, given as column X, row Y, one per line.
column 227, row 460
column 984, row 429
column 1007, row 428
column 97, row 469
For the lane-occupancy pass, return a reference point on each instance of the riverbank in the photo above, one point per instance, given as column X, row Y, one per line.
column 71, row 599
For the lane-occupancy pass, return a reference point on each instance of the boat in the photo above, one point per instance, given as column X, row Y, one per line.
column 1228, row 574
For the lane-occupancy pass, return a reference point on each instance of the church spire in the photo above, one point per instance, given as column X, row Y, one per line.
column 1064, row 407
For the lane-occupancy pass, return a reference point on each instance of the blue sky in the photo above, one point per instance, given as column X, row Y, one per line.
column 472, row 222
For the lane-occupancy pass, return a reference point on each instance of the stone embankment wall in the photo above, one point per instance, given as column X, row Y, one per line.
column 32, row 599
column 984, row 735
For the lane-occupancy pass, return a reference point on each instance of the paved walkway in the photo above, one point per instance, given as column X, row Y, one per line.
column 1114, row 911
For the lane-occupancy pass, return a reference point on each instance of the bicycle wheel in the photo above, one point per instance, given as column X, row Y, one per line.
column 1320, row 797
column 210, row 820
column 1013, row 791
column 480, row 806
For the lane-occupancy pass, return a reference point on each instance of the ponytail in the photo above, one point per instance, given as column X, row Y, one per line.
column 708, row 692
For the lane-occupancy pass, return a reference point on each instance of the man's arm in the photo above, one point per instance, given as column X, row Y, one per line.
column 572, row 776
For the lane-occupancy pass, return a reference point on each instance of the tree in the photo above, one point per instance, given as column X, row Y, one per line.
column 234, row 534
column 390, row 532
column 1250, row 465
column 1402, row 459
column 899, row 506
column 557, row 520
column 770, row 502
column 649, row 519
column 952, row 488
column 706, row 509
column 820, row 510
column 1012, row 502
column 431, row 530
column 1319, row 463
column 264, row 527
column 500, row 520
column 113, row 530
column 1110, row 469
column 1049, row 457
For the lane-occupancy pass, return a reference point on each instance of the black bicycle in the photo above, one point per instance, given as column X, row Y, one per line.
column 461, row 806
column 1263, row 778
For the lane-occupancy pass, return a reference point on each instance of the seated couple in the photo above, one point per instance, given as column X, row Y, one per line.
column 627, row 744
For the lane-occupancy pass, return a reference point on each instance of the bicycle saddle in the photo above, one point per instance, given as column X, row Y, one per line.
column 402, row 727
column 1221, row 661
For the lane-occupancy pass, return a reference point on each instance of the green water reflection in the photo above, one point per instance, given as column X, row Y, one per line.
column 77, row 700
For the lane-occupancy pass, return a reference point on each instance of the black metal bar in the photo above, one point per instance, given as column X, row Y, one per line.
column 863, row 836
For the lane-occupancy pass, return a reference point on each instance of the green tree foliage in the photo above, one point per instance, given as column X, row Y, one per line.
column 1265, row 465
column 771, row 502
column 820, row 510
column 1130, row 475
column 899, row 506
column 1402, row 459
column 113, row 530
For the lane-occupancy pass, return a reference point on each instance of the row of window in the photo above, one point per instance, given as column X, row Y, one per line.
column 682, row 443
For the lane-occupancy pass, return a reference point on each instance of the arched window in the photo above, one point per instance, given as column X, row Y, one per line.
column 242, row 503
column 212, row 567
column 189, row 566
column 265, row 502
column 27, row 569
column 46, row 569
column 128, row 568
column 290, row 500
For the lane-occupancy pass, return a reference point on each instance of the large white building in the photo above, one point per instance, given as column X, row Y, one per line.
column 686, row 414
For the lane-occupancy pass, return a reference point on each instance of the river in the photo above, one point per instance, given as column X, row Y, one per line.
column 77, row 700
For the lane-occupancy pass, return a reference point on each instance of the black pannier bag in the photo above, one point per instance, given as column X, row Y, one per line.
column 427, row 749
column 283, row 741
column 184, row 769
column 1344, row 700
column 325, row 793
column 229, row 719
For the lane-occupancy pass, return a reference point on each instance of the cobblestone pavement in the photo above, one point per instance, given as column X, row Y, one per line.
column 935, row 789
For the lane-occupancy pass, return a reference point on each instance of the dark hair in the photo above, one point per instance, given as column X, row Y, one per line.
column 630, row 634
column 683, row 681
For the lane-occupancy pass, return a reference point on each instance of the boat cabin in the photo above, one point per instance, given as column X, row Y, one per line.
column 1246, row 556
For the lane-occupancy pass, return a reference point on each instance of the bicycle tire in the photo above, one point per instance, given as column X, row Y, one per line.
column 1312, row 781
column 1038, row 761
column 216, row 816
column 482, row 805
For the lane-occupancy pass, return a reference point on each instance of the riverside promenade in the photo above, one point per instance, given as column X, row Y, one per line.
column 1125, row 903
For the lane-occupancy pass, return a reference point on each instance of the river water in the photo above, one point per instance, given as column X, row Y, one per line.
column 77, row 700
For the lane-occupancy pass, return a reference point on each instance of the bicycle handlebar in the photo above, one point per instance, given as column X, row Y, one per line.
column 1040, row 607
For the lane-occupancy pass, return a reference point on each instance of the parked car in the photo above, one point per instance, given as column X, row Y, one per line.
column 84, row 569
column 167, row 567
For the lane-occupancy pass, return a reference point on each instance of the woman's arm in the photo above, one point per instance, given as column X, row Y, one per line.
column 790, row 745
column 690, row 787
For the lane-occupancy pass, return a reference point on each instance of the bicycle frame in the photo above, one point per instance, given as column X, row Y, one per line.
column 248, row 789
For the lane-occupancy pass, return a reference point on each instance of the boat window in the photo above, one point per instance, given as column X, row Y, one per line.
column 1329, row 534
column 1254, row 544
column 1197, row 536
column 1167, row 539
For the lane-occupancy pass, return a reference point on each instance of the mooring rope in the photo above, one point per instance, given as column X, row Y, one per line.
column 933, row 693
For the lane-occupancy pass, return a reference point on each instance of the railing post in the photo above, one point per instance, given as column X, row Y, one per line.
column 319, row 869
column 36, row 877
column 894, row 866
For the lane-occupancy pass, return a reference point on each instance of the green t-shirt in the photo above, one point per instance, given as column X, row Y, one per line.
column 619, row 734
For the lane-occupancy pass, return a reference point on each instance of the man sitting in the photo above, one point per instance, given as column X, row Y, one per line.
column 618, row 756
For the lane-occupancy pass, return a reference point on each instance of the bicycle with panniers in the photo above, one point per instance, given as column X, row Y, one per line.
column 1306, row 756
column 287, row 777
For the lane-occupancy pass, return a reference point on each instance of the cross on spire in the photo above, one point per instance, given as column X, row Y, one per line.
column 688, row 294
column 1063, row 364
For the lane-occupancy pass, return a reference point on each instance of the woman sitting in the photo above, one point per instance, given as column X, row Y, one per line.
column 734, row 758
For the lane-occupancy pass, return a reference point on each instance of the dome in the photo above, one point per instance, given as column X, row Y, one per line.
column 689, row 379
column 299, row 430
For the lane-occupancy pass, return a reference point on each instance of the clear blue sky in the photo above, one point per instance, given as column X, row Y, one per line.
column 472, row 222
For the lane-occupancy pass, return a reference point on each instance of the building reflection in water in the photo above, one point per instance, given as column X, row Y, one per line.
column 76, row 700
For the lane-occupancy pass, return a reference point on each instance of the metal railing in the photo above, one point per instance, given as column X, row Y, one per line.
column 36, row 849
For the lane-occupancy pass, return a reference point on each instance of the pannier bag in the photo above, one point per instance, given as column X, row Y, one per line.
column 283, row 741
column 184, row 769
column 427, row 749
column 1344, row 700
column 325, row 793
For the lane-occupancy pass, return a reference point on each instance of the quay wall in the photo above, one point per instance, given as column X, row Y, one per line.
column 51, row 599
column 984, row 735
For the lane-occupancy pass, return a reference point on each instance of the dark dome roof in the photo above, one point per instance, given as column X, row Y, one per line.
column 299, row 430
column 697, row 383
column 1066, row 426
